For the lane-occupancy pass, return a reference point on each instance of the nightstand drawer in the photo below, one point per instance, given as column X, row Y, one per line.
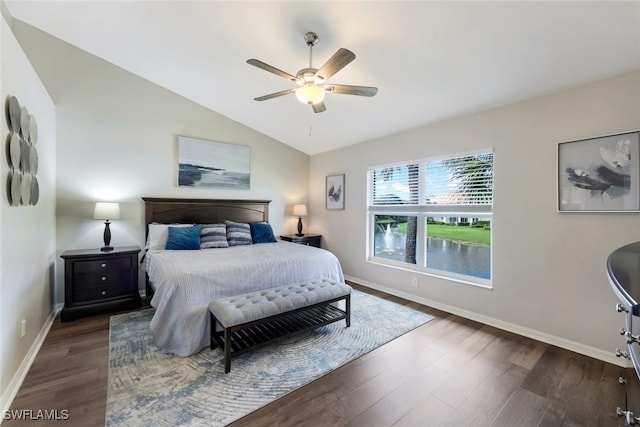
column 307, row 239
column 311, row 242
column 100, row 292
column 101, row 266
column 88, row 274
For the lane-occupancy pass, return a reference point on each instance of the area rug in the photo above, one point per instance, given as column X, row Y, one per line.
column 150, row 388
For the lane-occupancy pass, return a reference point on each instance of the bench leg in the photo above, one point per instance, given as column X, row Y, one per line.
column 212, row 342
column 348, row 308
column 227, row 350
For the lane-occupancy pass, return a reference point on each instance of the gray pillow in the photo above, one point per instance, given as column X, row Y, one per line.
column 238, row 233
column 213, row 236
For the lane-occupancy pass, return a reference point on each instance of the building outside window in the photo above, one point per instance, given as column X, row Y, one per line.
column 434, row 216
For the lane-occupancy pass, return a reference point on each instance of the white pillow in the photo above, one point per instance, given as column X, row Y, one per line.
column 158, row 235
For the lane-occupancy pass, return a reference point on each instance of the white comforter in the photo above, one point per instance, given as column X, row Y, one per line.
column 186, row 282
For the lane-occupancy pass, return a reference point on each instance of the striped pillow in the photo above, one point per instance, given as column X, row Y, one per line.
column 213, row 236
column 238, row 233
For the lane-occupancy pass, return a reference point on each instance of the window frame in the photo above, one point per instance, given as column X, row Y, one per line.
column 423, row 210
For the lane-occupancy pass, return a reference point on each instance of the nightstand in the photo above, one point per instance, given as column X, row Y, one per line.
column 307, row 239
column 97, row 282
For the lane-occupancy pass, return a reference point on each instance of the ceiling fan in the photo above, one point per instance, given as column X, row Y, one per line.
column 311, row 81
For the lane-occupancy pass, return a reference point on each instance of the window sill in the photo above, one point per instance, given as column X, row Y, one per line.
column 458, row 278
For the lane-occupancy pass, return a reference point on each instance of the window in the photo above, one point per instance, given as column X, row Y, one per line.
column 434, row 215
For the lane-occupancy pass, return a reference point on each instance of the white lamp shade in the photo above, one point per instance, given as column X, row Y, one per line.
column 310, row 94
column 106, row 211
column 300, row 210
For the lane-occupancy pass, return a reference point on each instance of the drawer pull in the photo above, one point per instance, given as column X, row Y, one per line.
column 103, row 278
column 103, row 265
column 104, row 293
column 631, row 339
column 622, row 380
column 620, row 308
column 622, row 354
column 630, row 420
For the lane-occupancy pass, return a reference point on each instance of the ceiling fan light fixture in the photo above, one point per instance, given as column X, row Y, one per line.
column 311, row 80
column 310, row 94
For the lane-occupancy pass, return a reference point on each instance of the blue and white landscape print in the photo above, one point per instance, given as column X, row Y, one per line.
column 212, row 164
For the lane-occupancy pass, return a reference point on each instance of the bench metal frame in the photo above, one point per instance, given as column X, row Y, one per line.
column 237, row 339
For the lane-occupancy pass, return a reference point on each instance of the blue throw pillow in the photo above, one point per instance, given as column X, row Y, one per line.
column 238, row 233
column 261, row 232
column 184, row 238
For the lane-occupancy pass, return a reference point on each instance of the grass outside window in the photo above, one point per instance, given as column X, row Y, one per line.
column 469, row 234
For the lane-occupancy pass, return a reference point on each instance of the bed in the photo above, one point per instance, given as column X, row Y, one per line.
column 184, row 282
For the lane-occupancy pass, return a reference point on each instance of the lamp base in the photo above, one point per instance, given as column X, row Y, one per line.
column 299, row 234
column 107, row 238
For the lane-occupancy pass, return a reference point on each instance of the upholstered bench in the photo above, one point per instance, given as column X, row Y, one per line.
column 241, row 322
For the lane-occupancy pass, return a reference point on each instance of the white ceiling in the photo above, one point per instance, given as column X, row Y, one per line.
column 430, row 60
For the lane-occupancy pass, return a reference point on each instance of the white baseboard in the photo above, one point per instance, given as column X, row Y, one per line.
column 23, row 369
column 596, row 353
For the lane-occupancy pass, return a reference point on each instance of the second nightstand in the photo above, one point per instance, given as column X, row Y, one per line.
column 307, row 239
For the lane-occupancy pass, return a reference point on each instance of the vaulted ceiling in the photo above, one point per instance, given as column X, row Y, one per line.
column 430, row 60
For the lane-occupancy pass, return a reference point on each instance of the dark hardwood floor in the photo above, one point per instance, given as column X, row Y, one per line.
column 448, row 372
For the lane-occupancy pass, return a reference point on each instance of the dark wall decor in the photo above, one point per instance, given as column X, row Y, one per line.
column 600, row 174
column 22, row 156
column 335, row 192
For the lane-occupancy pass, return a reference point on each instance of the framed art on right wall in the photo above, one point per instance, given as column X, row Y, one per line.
column 600, row 174
column 334, row 192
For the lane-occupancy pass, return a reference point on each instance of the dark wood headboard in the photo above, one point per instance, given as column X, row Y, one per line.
column 203, row 211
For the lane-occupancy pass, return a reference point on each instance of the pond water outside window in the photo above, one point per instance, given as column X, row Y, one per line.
column 453, row 244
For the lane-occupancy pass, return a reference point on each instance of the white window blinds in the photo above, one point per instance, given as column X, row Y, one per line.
column 459, row 183
column 464, row 180
column 396, row 185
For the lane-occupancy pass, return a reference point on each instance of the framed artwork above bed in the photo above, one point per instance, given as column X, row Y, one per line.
column 210, row 164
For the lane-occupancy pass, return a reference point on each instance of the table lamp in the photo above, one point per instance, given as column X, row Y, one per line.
column 300, row 211
column 106, row 211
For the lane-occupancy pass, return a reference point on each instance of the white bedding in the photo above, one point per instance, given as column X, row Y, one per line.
column 185, row 282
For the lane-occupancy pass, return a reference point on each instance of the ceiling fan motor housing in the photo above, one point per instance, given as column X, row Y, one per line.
column 311, row 38
column 308, row 75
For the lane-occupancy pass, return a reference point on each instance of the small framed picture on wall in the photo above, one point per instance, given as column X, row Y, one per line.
column 335, row 192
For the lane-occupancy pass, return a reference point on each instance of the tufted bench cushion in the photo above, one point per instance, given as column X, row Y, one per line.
column 232, row 311
column 244, row 321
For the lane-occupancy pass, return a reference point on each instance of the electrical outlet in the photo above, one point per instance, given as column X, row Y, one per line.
column 414, row 282
column 23, row 328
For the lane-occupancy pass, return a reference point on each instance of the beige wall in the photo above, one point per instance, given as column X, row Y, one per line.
column 27, row 233
column 117, row 141
column 549, row 278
